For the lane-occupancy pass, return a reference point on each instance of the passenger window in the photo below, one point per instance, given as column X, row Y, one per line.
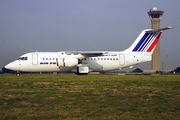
column 98, row 58
column 110, row 58
column 104, row 58
column 113, row 58
column 101, row 58
column 49, row 58
column 116, row 58
column 46, row 58
column 107, row 58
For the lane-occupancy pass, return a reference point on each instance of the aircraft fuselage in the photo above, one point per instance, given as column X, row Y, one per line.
column 48, row 62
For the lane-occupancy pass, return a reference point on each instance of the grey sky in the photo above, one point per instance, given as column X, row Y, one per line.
column 59, row 25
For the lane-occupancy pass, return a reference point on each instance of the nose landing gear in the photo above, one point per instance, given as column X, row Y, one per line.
column 18, row 73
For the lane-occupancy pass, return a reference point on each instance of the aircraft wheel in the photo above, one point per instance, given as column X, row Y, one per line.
column 17, row 74
column 81, row 73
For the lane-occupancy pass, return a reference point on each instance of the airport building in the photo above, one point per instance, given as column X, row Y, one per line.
column 155, row 17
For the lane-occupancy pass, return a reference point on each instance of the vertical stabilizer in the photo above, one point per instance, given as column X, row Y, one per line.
column 146, row 41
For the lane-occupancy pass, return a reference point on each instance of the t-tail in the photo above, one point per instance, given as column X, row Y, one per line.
column 147, row 41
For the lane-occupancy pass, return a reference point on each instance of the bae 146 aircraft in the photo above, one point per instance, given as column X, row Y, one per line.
column 83, row 62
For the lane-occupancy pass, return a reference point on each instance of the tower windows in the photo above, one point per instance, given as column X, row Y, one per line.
column 155, row 15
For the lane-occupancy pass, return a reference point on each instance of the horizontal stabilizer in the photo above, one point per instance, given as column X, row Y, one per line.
column 158, row 30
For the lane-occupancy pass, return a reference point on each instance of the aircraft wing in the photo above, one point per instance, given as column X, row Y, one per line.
column 86, row 53
column 161, row 29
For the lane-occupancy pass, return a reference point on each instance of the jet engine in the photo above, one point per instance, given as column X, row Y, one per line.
column 67, row 62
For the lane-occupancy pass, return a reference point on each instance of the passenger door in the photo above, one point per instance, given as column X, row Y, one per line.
column 35, row 59
column 121, row 59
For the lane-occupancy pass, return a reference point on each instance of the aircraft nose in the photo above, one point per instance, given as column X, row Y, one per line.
column 8, row 66
column 13, row 66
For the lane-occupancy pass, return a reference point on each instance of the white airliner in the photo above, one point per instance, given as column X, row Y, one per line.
column 83, row 62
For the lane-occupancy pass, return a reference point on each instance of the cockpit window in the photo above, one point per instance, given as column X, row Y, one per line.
column 23, row 58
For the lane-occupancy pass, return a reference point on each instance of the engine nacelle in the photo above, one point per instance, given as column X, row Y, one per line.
column 67, row 62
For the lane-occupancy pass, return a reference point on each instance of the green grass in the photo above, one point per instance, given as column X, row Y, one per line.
column 100, row 97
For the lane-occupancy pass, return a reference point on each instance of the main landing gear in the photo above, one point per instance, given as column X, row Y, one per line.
column 81, row 73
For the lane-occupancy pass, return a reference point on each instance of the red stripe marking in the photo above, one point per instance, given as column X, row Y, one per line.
column 154, row 43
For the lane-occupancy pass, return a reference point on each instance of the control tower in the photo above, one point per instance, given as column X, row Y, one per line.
column 155, row 17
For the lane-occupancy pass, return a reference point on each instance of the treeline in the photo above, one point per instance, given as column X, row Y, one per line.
column 177, row 70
